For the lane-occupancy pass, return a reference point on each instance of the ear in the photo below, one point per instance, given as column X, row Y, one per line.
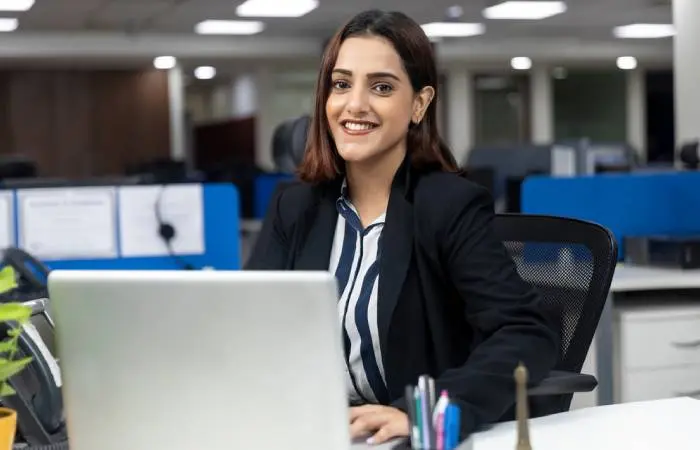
column 421, row 103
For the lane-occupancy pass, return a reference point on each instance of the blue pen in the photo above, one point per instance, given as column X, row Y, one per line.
column 457, row 419
column 451, row 427
column 447, row 424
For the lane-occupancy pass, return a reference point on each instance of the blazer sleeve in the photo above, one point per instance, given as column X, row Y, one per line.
column 271, row 249
column 504, row 311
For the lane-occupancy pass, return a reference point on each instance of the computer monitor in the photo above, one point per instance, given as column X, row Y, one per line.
column 200, row 360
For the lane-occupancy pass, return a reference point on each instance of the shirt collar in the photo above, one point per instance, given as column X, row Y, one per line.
column 344, row 190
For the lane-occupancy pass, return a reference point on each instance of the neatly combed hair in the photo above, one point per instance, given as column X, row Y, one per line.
column 426, row 149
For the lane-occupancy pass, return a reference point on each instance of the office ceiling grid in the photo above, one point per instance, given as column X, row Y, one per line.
column 585, row 19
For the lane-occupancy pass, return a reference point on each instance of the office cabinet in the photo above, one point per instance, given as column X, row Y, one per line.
column 657, row 351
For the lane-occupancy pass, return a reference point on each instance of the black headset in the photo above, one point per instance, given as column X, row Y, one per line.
column 167, row 231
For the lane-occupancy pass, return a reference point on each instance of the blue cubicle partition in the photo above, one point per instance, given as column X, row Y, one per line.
column 628, row 204
column 221, row 239
column 264, row 188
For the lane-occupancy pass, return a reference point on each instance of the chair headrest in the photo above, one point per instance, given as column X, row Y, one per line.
column 289, row 143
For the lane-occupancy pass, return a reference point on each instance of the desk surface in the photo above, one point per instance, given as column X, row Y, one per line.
column 631, row 278
column 668, row 423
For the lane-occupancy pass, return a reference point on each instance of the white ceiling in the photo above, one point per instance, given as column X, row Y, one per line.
column 589, row 19
column 138, row 30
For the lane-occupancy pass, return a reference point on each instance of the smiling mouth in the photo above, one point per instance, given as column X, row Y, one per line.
column 358, row 125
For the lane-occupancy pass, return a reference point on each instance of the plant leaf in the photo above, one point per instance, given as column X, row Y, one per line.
column 14, row 312
column 7, row 345
column 8, row 279
column 6, row 390
column 10, row 368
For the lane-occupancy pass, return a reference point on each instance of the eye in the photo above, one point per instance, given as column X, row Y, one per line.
column 383, row 88
column 340, row 84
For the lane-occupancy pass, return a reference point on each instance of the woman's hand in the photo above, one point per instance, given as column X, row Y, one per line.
column 381, row 422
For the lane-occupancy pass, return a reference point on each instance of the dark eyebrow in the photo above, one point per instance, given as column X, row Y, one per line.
column 369, row 75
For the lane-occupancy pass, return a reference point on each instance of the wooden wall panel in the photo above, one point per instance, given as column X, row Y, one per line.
column 78, row 124
column 31, row 114
column 6, row 139
column 73, row 130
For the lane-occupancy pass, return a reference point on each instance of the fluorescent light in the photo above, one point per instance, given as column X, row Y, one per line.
column 276, row 8
column 452, row 29
column 16, row 5
column 228, row 27
column 626, row 63
column 644, row 31
column 521, row 63
column 7, row 25
column 164, row 62
column 205, row 72
column 524, row 10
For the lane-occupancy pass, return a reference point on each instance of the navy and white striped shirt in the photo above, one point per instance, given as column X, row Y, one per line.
column 355, row 260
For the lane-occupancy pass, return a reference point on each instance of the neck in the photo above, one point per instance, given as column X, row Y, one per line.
column 370, row 182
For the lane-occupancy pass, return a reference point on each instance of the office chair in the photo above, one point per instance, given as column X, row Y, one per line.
column 289, row 143
column 571, row 263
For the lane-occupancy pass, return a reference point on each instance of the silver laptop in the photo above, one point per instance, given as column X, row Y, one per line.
column 172, row 360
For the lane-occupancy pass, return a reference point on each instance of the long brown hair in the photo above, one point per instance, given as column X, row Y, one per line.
column 426, row 149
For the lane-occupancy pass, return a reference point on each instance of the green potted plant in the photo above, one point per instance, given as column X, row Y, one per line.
column 15, row 316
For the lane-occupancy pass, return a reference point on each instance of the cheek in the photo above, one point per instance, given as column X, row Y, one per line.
column 396, row 116
column 333, row 107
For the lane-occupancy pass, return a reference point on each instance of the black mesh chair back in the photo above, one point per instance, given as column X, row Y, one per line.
column 571, row 262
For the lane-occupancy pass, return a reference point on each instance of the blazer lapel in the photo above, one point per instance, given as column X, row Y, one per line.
column 396, row 251
column 318, row 227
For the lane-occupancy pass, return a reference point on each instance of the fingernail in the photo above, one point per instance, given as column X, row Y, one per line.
column 370, row 441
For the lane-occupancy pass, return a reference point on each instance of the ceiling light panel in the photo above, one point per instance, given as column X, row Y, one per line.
column 644, row 31
column 233, row 27
column 524, row 10
column 7, row 25
column 276, row 8
column 16, row 5
column 453, row 29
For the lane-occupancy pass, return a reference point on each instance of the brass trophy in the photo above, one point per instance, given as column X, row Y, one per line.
column 521, row 412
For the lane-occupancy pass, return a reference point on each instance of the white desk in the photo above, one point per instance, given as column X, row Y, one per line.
column 669, row 423
column 630, row 278
column 604, row 359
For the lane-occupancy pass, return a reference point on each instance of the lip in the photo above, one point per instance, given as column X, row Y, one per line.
column 347, row 131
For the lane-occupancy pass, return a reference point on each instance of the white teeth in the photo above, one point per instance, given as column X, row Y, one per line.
column 357, row 126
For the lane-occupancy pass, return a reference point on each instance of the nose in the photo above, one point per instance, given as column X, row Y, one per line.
column 358, row 101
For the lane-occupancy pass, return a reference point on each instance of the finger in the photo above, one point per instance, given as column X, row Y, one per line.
column 359, row 411
column 389, row 431
column 367, row 424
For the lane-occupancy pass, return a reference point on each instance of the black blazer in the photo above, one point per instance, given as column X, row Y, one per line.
column 450, row 303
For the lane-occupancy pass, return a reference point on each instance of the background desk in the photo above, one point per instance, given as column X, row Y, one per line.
column 647, row 345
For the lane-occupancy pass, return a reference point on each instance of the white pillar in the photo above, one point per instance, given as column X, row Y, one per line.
column 176, row 99
column 221, row 102
column 541, row 106
column 686, row 65
column 245, row 96
column 459, row 119
column 636, row 112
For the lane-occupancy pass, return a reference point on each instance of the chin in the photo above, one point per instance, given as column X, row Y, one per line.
column 358, row 155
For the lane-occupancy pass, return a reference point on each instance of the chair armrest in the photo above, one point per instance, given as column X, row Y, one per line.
column 559, row 382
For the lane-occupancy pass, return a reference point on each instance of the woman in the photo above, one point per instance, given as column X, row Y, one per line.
column 425, row 287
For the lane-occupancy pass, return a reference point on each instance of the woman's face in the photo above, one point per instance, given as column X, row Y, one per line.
column 371, row 101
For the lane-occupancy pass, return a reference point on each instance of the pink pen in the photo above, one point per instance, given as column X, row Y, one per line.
column 439, row 420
